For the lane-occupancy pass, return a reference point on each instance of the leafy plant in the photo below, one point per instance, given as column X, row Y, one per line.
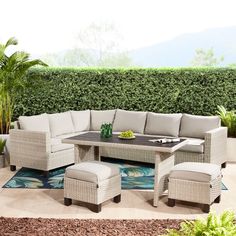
column 228, row 119
column 12, row 71
column 213, row 225
column 2, row 145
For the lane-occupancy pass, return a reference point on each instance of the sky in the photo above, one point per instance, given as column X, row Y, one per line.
column 44, row 26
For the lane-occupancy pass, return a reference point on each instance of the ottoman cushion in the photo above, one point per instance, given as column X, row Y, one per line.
column 92, row 171
column 192, row 171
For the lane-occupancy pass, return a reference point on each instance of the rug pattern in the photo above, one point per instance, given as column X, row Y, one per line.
column 134, row 175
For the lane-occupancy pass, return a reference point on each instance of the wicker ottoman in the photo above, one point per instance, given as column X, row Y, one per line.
column 92, row 182
column 195, row 182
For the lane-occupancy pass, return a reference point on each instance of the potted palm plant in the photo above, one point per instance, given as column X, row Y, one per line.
column 2, row 146
column 228, row 119
column 13, row 68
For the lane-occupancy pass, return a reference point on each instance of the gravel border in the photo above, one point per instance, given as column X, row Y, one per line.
column 90, row 227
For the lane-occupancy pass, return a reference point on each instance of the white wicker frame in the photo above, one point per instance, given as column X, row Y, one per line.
column 33, row 150
column 214, row 151
column 164, row 158
column 193, row 191
column 92, row 192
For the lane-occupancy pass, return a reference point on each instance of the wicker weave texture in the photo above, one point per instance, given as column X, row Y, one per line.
column 148, row 156
column 163, row 165
column 59, row 159
column 128, row 154
column 216, row 146
column 33, row 150
column 193, row 191
column 181, row 156
column 214, row 151
column 86, row 153
column 92, row 192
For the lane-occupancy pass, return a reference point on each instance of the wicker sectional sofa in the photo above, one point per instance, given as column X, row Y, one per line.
column 36, row 140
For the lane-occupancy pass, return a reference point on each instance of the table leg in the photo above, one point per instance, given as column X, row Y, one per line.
column 86, row 153
column 163, row 163
column 97, row 153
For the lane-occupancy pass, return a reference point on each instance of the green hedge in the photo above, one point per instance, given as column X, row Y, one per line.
column 195, row 91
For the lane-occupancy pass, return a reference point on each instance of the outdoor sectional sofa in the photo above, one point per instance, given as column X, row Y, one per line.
column 36, row 140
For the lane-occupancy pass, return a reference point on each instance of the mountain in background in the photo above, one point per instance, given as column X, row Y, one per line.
column 180, row 51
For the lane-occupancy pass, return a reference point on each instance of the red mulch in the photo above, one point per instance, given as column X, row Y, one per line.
column 69, row 227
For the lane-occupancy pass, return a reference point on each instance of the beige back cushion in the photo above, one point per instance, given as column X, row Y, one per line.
column 35, row 123
column 81, row 120
column 196, row 126
column 130, row 120
column 61, row 123
column 99, row 117
column 163, row 124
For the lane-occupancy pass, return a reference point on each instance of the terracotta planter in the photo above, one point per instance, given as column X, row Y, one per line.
column 231, row 149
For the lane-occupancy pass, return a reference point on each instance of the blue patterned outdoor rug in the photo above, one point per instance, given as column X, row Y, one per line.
column 135, row 175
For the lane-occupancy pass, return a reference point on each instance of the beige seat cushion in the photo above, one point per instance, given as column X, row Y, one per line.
column 193, row 145
column 193, row 171
column 100, row 117
column 129, row 120
column 163, row 124
column 196, row 126
column 57, row 145
column 92, row 171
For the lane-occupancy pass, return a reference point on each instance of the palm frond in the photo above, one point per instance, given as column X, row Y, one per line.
column 12, row 71
column 221, row 111
column 11, row 41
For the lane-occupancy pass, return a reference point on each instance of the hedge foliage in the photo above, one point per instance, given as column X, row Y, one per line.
column 195, row 91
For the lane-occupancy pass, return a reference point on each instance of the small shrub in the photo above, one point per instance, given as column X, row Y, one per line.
column 2, row 145
column 228, row 119
column 213, row 225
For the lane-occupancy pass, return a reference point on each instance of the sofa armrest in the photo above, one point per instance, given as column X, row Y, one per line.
column 215, row 146
column 29, row 143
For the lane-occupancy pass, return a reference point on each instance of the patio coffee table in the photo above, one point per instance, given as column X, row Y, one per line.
column 87, row 148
